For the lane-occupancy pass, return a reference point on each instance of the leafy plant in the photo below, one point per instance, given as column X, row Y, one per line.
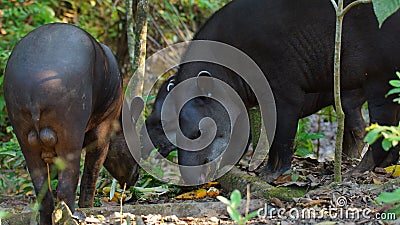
column 3, row 214
column 232, row 208
column 303, row 140
column 390, row 134
column 391, row 198
column 14, row 177
column 396, row 89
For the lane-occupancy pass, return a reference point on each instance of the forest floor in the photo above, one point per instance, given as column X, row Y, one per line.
column 352, row 202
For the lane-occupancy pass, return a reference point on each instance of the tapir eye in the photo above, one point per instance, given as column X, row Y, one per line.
column 170, row 85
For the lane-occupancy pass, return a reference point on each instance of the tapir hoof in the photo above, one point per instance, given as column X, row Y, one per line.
column 270, row 175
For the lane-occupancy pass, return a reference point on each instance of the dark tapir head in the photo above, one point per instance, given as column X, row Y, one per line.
column 197, row 115
column 153, row 122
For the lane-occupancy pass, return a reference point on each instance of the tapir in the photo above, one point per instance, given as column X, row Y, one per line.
column 293, row 44
column 63, row 91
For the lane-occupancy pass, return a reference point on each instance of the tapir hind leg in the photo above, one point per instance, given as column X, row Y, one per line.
column 37, row 169
column 69, row 151
column 97, row 143
column 354, row 127
column 38, row 172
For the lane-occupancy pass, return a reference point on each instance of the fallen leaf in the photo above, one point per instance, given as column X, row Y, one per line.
column 394, row 170
column 212, row 192
column 277, row 202
column 376, row 181
column 285, row 178
column 210, row 184
column 200, row 193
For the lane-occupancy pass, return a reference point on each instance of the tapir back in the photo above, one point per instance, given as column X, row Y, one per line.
column 51, row 68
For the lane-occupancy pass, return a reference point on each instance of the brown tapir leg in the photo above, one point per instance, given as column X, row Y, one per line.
column 69, row 152
column 97, row 141
column 38, row 173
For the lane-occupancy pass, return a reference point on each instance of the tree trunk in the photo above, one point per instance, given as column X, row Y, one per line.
column 338, row 103
column 340, row 12
column 137, row 11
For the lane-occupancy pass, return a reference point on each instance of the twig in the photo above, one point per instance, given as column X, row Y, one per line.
column 349, row 6
column 188, row 33
column 248, row 200
column 49, row 179
column 334, row 5
column 121, row 200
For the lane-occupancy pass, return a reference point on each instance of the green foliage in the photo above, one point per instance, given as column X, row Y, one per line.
column 177, row 20
column 147, row 180
column 384, row 8
column 391, row 138
column 396, row 89
column 3, row 214
column 232, row 208
column 14, row 178
column 390, row 134
column 391, row 198
column 303, row 145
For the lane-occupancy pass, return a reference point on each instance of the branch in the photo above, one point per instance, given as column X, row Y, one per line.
column 348, row 7
column 334, row 5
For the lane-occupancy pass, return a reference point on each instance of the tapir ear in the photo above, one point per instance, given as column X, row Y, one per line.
column 205, row 82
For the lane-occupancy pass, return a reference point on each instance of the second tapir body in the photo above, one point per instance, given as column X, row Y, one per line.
column 293, row 44
column 63, row 91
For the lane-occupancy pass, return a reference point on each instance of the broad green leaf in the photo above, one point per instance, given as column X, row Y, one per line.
column 304, row 152
column 396, row 100
column 234, row 214
column 315, row 136
column 385, row 8
column 372, row 136
column 393, row 91
column 251, row 215
column 389, row 197
column 398, row 74
column 395, row 83
column 236, row 198
column 295, row 177
column 223, row 200
column 113, row 188
column 386, row 144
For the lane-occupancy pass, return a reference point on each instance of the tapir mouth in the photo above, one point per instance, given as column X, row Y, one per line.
column 196, row 175
column 164, row 150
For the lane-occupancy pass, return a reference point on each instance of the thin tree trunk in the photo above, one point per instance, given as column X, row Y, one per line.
column 137, row 11
column 340, row 12
column 338, row 103
column 130, row 27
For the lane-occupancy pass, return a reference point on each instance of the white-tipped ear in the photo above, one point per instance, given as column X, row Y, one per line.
column 205, row 82
column 204, row 73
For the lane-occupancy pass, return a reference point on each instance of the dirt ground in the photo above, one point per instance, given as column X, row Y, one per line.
column 352, row 202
